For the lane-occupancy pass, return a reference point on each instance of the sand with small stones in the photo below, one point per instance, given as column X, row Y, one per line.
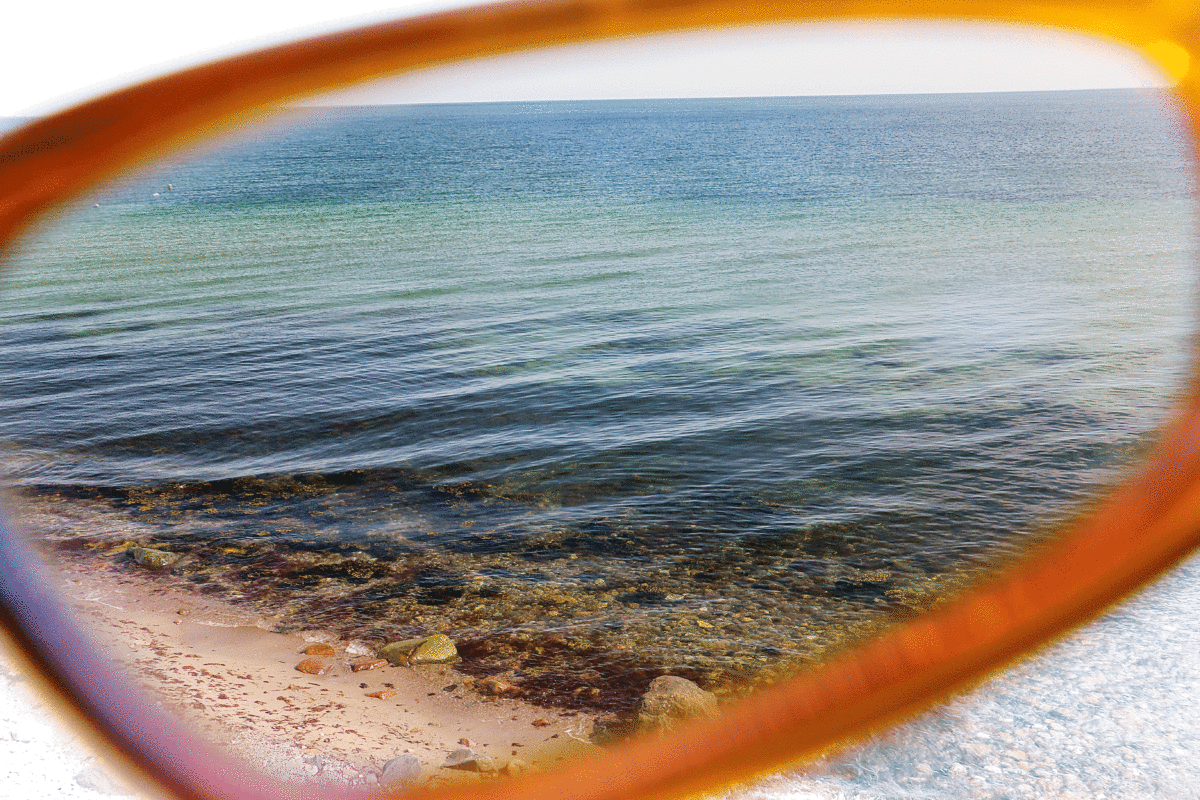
column 224, row 671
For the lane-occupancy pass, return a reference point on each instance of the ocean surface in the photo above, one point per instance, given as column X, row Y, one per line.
column 605, row 390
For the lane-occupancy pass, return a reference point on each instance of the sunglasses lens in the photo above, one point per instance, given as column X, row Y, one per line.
column 601, row 390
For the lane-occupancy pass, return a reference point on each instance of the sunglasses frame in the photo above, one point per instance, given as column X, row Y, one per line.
column 1137, row 533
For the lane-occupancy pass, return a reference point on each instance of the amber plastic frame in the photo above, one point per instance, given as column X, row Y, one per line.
column 1140, row 531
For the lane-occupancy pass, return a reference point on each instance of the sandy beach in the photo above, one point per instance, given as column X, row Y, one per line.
column 1110, row 712
column 226, row 672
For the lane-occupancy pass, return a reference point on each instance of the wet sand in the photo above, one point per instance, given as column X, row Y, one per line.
column 223, row 670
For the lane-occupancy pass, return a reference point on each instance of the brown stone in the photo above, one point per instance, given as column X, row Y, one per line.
column 363, row 666
column 319, row 649
column 382, row 694
column 541, row 722
column 313, row 666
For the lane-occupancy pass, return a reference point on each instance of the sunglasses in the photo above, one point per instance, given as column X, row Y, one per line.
column 1134, row 535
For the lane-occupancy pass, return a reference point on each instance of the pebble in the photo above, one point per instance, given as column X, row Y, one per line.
column 366, row 665
column 382, row 694
column 468, row 760
column 319, row 649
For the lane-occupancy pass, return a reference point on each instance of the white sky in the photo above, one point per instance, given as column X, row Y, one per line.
column 55, row 53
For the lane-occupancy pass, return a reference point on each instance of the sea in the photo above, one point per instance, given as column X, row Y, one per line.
column 606, row 390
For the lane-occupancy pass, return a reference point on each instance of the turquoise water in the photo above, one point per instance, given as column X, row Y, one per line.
column 608, row 389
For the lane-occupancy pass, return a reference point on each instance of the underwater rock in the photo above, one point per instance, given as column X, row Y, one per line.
column 319, row 649
column 497, row 687
column 436, row 648
column 587, row 692
column 151, row 558
column 612, row 728
column 516, row 767
column 670, row 700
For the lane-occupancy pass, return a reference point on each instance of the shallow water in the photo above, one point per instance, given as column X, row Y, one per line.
column 605, row 390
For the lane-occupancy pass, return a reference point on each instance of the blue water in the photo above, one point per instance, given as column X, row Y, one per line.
column 606, row 389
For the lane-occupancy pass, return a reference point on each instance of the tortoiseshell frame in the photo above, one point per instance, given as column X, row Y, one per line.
column 1133, row 536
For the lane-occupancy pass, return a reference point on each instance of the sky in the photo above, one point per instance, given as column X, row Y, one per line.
column 54, row 54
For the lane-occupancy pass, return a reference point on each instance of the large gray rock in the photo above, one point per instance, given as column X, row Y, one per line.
column 401, row 771
column 670, row 700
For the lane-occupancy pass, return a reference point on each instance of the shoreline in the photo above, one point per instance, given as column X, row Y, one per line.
column 224, row 671
column 1109, row 710
column 565, row 630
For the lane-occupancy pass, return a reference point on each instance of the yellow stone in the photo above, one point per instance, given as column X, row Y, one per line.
column 436, row 648
column 153, row 559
